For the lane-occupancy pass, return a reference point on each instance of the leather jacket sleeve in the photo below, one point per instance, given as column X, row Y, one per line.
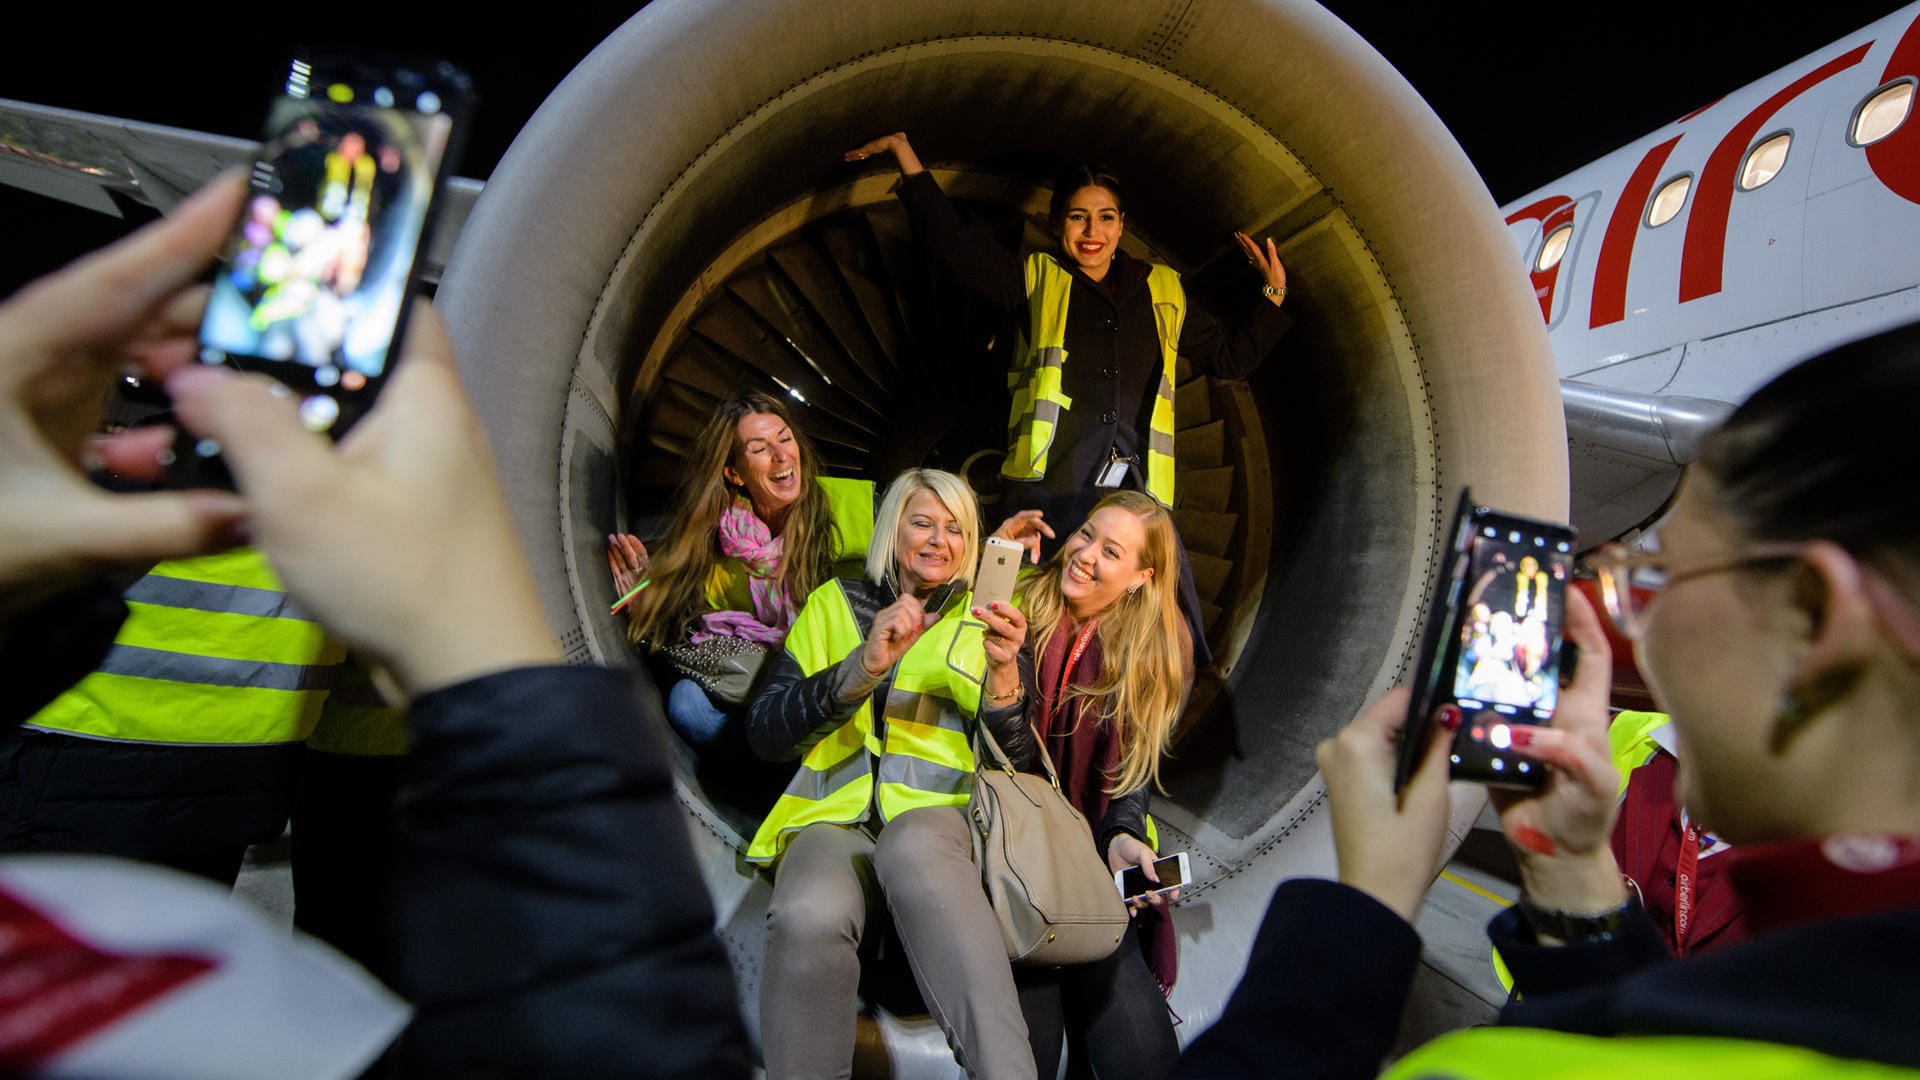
column 1125, row 814
column 1013, row 724
column 793, row 710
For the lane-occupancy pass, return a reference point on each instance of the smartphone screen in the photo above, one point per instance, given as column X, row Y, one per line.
column 1493, row 644
column 1133, row 880
column 1505, row 663
column 314, row 283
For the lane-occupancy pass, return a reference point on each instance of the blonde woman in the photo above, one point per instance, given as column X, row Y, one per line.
column 1112, row 665
column 876, row 694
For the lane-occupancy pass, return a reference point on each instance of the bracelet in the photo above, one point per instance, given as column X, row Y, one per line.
column 1571, row 928
column 1006, row 698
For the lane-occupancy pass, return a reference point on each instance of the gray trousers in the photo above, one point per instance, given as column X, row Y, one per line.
column 829, row 883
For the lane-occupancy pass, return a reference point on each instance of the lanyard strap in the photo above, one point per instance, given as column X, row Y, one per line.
column 1066, row 671
column 1685, row 876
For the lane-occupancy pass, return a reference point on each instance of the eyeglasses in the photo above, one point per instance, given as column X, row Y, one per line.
column 1622, row 570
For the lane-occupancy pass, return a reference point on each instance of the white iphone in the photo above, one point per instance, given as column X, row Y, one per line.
column 1173, row 872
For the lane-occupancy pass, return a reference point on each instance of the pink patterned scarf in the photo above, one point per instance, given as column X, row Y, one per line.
column 745, row 537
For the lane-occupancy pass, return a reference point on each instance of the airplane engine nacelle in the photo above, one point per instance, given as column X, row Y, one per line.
column 693, row 162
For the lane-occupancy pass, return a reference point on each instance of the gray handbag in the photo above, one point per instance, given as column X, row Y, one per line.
column 727, row 668
column 1051, row 892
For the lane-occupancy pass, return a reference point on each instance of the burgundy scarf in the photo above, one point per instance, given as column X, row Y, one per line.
column 1086, row 754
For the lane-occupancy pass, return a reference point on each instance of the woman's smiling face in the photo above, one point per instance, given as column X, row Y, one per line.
column 1102, row 560
column 765, row 463
column 1090, row 230
column 928, row 543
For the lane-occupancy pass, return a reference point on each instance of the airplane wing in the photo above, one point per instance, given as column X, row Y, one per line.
column 1626, row 450
column 103, row 163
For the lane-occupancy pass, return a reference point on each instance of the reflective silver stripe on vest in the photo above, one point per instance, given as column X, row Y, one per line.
column 907, row 706
column 922, row 775
column 1052, row 356
column 1160, row 442
column 809, row 783
column 214, row 670
column 207, row 596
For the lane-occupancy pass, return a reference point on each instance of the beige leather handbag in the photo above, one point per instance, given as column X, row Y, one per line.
column 1054, row 897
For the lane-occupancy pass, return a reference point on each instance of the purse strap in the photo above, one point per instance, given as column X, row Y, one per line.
column 1039, row 744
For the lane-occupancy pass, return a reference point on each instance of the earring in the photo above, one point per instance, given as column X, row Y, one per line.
column 1133, row 591
column 1788, row 712
column 1787, row 718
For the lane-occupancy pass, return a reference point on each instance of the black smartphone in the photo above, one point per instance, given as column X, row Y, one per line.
column 313, row 287
column 1492, row 646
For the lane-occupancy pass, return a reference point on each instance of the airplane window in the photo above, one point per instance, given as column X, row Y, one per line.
column 1668, row 201
column 1552, row 251
column 1764, row 161
column 1882, row 113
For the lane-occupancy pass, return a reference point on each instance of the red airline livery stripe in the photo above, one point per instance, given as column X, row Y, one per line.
column 1896, row 158
column 1616, row 248
column 1703, row 257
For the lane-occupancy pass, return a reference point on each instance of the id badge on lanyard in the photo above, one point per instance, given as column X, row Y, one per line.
column 1113, row 474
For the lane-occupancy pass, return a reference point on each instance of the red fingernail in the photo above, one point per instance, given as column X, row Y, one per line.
column 1533, row 840
column 1450, row 717
column 1522, row 736
column 977, row 611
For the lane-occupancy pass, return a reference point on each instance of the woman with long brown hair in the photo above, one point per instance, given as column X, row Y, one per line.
column 755, row 529
column 1112, row 666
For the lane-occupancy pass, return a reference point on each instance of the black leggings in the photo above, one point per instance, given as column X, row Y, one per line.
column 1111, row 1012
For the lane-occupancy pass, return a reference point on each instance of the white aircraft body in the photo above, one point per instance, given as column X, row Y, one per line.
column 1690, row 267
column 660, row 235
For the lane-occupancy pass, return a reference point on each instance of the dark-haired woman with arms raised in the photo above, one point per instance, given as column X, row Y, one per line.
column 1092, row 373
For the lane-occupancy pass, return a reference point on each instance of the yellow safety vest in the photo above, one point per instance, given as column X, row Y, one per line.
column 923, row 741
column 213, row 651
column 1516, row 1053
column 849, row 505
column 1630, row 740
column 1036, row 377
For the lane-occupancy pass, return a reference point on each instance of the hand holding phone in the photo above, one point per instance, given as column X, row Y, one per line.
column 315, row 283
column 1174, row 872
column 1493, row 645
column 999, row 571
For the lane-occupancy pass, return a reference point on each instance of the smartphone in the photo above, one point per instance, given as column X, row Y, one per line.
column 1492, row 645
column 1173, row 871
column 314, row 283
column 999, row 569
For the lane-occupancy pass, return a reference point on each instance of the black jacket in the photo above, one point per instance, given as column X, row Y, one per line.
column 794, row 710
column 548, row 917
column 1113, row 341
column 1843, row 987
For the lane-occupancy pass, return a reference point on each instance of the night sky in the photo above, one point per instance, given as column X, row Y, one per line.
column 1531, row 91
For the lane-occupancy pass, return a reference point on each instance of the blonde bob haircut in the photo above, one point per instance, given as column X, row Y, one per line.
column 883, row 555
